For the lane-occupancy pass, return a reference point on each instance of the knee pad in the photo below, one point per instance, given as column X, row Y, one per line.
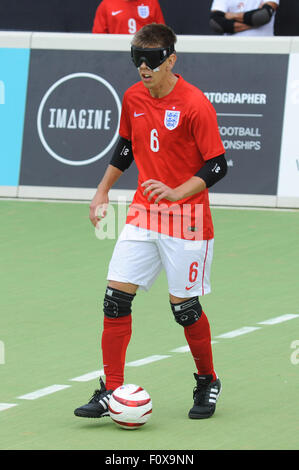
column 188, row 312
column 117, row 303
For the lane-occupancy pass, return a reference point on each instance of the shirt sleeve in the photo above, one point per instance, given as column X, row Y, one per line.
column 205, row 130
column 100, row 25
column 125, row 122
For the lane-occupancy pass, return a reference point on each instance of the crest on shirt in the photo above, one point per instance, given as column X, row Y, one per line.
column 143, row 11
column 171, row 119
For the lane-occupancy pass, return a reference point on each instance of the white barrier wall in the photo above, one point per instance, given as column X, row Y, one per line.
column 60, row 102
column 288, row 183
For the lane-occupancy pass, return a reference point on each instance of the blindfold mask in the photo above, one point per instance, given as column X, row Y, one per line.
column 153, row 57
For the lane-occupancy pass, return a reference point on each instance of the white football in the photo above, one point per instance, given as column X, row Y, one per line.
column 130, row 406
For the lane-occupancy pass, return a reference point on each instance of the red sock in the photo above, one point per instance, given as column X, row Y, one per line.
column 198, row 337
column 115, row 340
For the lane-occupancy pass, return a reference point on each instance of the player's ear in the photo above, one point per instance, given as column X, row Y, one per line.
column 171, row 61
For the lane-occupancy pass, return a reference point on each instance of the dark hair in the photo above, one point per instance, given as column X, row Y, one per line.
column 154, row 35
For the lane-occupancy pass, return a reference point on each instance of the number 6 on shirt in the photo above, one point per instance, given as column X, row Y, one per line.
column 154, row 140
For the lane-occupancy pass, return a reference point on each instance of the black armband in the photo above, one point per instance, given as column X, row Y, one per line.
column 122, row 156
column 213, row 170
column 219, row 24
column 258, row 17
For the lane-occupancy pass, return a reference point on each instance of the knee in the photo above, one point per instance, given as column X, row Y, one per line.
column 187, row 312
column 117, row 303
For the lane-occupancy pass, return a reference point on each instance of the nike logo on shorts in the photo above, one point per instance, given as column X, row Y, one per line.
column 116, row 12
column 191, row 287
column 137, row 115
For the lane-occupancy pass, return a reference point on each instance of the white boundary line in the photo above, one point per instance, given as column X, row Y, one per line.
column 281, row 319
column 241, row 331
column 89, row 376
column 147, row 360
column 183, row 349
column 43, row 391
column 6, row 406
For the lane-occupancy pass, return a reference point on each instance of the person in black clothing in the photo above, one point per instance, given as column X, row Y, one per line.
column 287, row 18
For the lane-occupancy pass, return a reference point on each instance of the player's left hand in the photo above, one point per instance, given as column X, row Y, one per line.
column 162, row 191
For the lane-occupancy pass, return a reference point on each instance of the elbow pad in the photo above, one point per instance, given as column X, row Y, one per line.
column 258, row 17
column 122, row 156
column 213, row 170
column 219, row 24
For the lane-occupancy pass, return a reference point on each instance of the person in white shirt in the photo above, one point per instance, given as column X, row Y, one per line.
column 246, row 18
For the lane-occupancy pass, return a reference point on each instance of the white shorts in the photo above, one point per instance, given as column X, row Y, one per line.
column 139, row 256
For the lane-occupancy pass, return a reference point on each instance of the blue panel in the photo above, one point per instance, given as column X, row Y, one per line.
column 14, row 65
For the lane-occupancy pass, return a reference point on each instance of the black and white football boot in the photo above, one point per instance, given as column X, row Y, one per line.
column 205, row 396
column 97, row 407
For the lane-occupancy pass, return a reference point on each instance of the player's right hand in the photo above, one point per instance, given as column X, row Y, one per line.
column 98, row 207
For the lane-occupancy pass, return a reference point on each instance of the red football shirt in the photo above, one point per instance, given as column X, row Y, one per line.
column 171, row 137
column 126, row 17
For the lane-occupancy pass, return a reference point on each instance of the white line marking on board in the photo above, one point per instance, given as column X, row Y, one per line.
column 89, row 376
column 146, row 360
column 6, row 406
column 43, row 391
column 282, row 318
column 239, row 114
column 239, row 332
